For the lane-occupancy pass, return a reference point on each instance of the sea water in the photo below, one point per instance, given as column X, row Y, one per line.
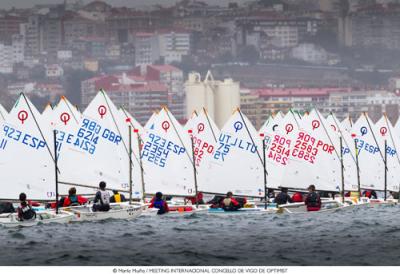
column 360, row 236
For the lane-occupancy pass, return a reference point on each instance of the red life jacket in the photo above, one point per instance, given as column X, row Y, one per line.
column 78, row 200
column 297, row 197
column 313, row 201
column 368, row 194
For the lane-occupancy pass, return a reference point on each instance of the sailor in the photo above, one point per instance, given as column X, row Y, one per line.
column 216, row 201
column 72, row 199
column 283, row 197
column 297, row 197
column 24, row 210
column 230, row 203
column 371, row 194
column 158, row 202
column 117, row 197
column 102, row 199
column 6, row 207
column 271, row 194
column 393, row 195
column 313, row 200
column 197, row 199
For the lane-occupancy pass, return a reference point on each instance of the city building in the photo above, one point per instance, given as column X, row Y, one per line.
column 54, row 71
column 376, row 25
column 138, row 96
column 310, row 53
column 147, row 49
column 172, row 78
column 47, row 91
column 80, row 24
column 9, row 26
column 32, row 34
column 281, row 32
column 51, row 33
column 11, row 54
column 121, row 22
column 259, row 104
column 173, row 45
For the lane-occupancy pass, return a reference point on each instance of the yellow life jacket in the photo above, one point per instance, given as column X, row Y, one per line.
column 355, row 194
column 117, row 198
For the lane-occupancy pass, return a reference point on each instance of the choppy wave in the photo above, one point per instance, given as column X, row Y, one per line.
column 362, row 236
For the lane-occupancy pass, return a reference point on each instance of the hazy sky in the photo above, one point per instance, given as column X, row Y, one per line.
column 6, row 4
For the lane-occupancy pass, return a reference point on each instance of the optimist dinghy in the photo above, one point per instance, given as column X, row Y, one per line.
column 177, row 209
column 42, row 217
column 251, row 210
column 298, row 208
column 117, row 211
column 187, row 209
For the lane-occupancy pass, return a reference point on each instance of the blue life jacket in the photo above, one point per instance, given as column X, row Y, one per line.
column 73, row 199
column 159, row 203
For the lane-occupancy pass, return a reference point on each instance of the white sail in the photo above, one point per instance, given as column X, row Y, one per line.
column 313, row 158
column 47, row 114
column 96, row 147
column 397, row 129
column 348, row 152
column 277, row 148
column 205, row 135
column 385, row 131
column 279, row 115
column 237, row 162
column 150, row 122
column 136, row 136
column 347, row 124
column 272, row 123
column 190, row 122
column 3, row 113
column 267, row 124
column 369, row 155
column 166, row 157
column 26, row 160
column 65, row 119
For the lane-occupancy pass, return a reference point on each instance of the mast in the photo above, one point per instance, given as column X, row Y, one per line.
column 385, row 169
column 194, row 167
column 130, row 163
column 56, row 166
column 139, row 140
column 358, row 170
column 342, row 167
column 393, row 141
column 265, row 173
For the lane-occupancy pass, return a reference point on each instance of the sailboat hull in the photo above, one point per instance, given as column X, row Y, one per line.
column 118, row 211
column 327, row 206
column 42, row 217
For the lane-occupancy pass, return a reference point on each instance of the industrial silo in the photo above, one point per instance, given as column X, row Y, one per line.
column 226, row 99
column 199, row 95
